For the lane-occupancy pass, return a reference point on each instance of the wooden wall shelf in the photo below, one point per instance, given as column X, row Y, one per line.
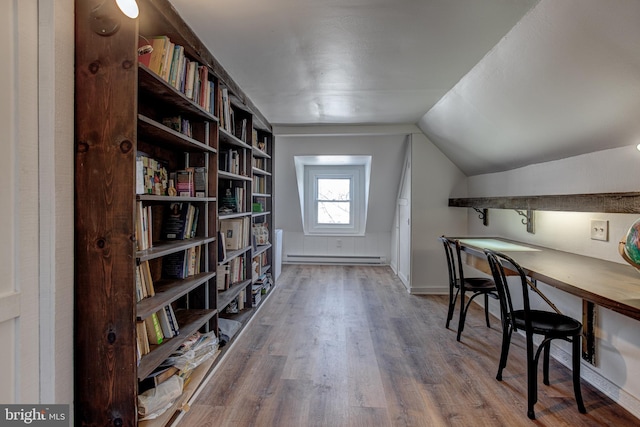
column 596, row 202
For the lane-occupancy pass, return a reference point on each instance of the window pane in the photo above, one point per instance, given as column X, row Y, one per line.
column 334, row 212
column 334, row 188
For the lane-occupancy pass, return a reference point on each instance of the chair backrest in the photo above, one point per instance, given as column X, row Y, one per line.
column 456, row 274
column 498, row 262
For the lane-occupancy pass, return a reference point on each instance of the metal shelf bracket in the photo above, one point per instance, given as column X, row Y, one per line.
column 527, row 220
column 483, row 214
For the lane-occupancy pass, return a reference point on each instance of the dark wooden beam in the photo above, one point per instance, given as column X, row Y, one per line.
column 106, row 70
column 596, row 202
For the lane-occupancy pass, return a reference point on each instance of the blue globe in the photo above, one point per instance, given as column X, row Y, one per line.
column 631, row 250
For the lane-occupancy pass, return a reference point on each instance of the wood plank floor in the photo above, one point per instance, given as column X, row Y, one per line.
column 348, row 346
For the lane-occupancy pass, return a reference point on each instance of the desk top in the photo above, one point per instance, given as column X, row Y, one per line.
column 609, row 284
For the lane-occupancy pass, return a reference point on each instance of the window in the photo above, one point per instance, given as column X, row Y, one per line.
column 333, row 196
column 333, row 201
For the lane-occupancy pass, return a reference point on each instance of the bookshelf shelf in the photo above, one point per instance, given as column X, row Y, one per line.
column 158, row 155
column 224, row 298
column 167, row 291
column 261, row 248
column 227, row 137
column 259, row 214
column 165, row 248
column 164, row 135
column 157, row 88
column 259, row 153
column 170, row 199
column 257, row 171
column 228, row 175
column 190, row 321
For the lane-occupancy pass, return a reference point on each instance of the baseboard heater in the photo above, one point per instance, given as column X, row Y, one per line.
column 335, row 259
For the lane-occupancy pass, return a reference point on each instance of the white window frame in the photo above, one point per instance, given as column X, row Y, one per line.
column 355, row 173
column 356, row 166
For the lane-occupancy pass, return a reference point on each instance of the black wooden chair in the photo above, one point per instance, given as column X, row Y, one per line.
column 551, row 325
column 459, row 285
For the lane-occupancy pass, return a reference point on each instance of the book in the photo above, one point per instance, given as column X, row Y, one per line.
column 165, row 324
column 192, row 255
column 166, row 61
column 173, row 265
column 147, row 280
column 236, row 270
column 226, row 110
column 159, row 44
column 194, row 222
column 175, row 221
column 233, row 233
column 173, row 322
column 140, row 294
column 222, row 277
column 139, row 176
column 157, row 377
column 189, row 78
column 200, row 181
column 184, row 183
column 229, row 201
column 154, row 330
column 222, row 250
column 141, row 337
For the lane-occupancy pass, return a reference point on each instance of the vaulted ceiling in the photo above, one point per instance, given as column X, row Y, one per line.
column 495, row 84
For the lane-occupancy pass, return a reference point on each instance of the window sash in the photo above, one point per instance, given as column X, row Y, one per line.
column 316, row 221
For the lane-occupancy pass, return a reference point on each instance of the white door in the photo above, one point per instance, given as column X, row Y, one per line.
column 404, row 222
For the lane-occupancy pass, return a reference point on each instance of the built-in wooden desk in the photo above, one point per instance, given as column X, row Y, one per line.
column 608, row 284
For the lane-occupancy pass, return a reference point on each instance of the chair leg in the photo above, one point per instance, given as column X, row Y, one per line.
column 463, row 316
column 506, row 342
column 452, row 304
column 576, row 374
column 532, row 380
column 486, row 309
column 545, row 363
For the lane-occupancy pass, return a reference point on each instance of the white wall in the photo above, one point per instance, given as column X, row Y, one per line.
column 433, row 179
column 36, row 235
column 56, row 203
column 615, row 170
column 387, row 151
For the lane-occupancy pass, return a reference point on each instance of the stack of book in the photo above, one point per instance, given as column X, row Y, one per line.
column 180, row 221
column 182, row 264
column 179, row 124
column 169, row 62
column 144, row 282
column 155, row 329
column 151, row 175
column 144, row 227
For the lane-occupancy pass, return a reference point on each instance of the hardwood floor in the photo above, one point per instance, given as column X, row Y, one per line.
column 348, row 346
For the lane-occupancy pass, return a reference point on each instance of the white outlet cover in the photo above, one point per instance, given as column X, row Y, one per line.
column 600, row 230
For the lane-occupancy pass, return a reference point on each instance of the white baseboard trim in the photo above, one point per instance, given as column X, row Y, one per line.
column 588, row 374
column 429, row 291
column 335, row 259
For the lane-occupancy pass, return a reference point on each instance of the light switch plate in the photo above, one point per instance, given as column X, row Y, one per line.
column 600, row 230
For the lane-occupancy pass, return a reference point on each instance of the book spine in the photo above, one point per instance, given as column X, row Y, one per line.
column 154, row 330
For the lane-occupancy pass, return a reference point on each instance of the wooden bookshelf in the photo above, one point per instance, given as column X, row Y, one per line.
column 128, row 114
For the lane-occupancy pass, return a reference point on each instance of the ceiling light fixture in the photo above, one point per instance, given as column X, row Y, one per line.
column 105, row 18
column 128, row 7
